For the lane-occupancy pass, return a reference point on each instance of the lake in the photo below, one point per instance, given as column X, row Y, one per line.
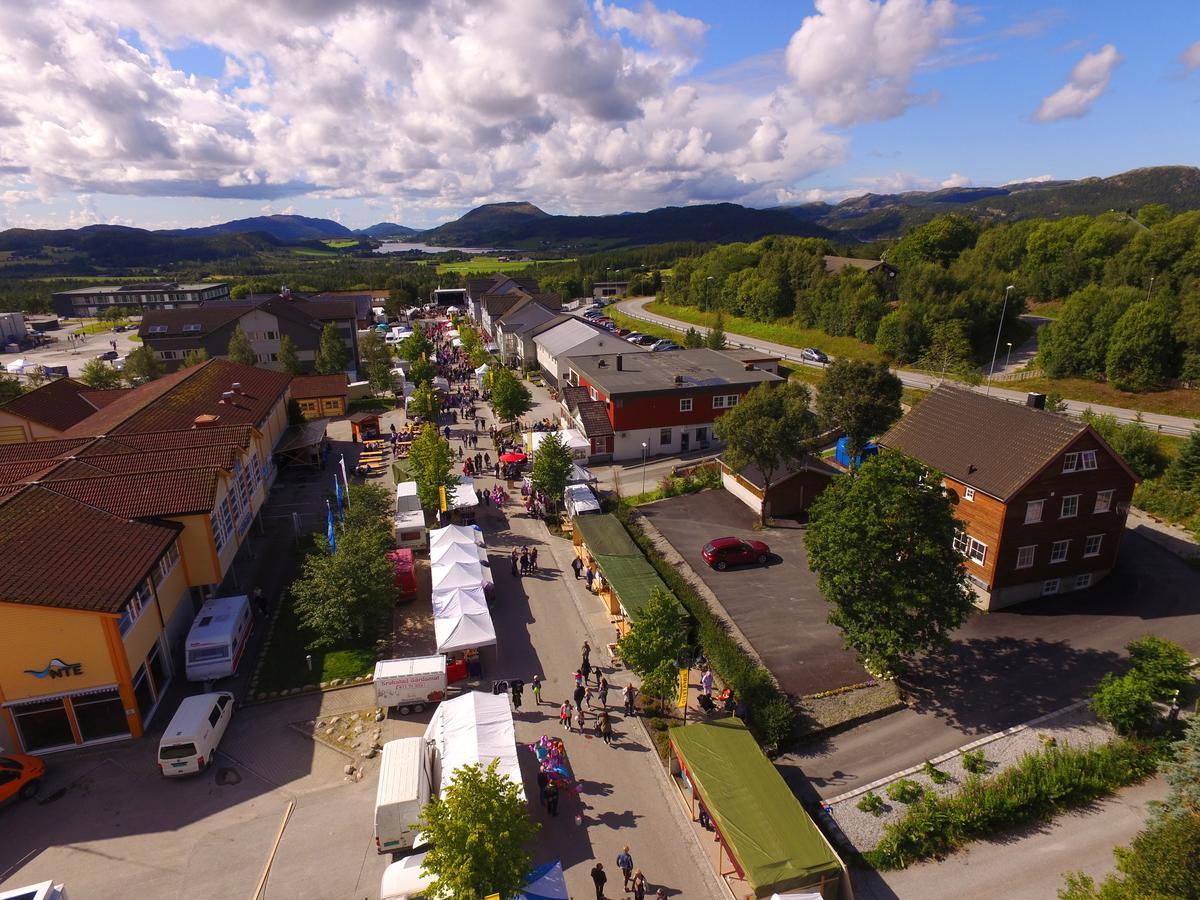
column 398, row 247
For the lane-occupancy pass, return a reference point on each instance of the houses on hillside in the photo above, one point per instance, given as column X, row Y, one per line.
column 1042, row 498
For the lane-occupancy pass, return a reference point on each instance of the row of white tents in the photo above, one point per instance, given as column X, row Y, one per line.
column 461, row 580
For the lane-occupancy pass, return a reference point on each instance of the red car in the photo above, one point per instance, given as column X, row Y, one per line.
column 730, row 551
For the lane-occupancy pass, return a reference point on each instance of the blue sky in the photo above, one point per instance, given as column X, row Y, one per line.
column 175, row 115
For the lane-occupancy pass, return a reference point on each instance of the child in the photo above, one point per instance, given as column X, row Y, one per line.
column 564, row 715
column 580, row 720
column 587, row 697
column 537, row 689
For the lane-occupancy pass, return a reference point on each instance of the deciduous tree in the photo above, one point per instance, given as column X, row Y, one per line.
column 240, row 349
column 377, row 361
column 692, row 338
column 511, row 399
column 861, row 398
column 423, row 404
column 1142, row 353
column 288, row 358
column 194, row 358
column 479, row 832
column 551, row 467
column 658, row 635
column 98, row 374
column 332, row 355
column 11, row 387
column 415, row 346
column 882, row 545
column 432, row 466
column 771, row 429
column 421, row 371
column 142, row 365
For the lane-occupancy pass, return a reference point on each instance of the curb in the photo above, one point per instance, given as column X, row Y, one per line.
column 301, row 691
column 830, row 730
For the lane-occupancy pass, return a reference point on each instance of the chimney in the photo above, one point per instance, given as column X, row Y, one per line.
column 237, row 387
column 1035, row 401
column 620, row 363
column 205, row 421
column 679, row 379
column 227, row 397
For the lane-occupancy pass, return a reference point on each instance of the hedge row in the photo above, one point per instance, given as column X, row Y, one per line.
column 768, row 711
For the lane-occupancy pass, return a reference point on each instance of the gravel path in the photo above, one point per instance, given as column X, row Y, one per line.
column 1076, row 725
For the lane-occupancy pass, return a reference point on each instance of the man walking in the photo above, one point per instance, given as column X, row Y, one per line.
column 580, row 690
column 599, row 879
column 625, row 864
column 551, row 793
column 629, row 693
column 577, row 566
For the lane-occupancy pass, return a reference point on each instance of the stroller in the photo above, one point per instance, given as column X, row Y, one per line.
column 710, row 706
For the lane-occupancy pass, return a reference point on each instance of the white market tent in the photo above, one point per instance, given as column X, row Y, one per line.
column 579, row 446
column 579, row 500
column 459, row 602
column 474, row 729
column 482, row 370
column 457, row 575
column 456, row 534
column 580, row 475
column 455, row 634
column 454, row 552
column 453, row 332
column 463, row 496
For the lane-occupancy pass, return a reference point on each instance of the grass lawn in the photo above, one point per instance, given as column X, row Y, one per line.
column 483, row 265
column 101, row 327
column 624, row 321
column 1177, row 402
column 340, row 242
column 1050, row 309
column 780, row 332
column 284, row 666
column 310, row 251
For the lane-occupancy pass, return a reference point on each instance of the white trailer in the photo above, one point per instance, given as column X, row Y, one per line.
column 409, row 684
column 405, row 771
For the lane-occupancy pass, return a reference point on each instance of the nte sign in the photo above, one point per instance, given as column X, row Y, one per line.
column 56, row 668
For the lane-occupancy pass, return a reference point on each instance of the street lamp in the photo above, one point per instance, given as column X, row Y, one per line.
column 645, row 446
column 1008, row 355
column 707, row 282
column 996, row 348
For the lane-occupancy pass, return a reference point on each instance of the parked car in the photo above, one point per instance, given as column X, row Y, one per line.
column 593, row 314
column 812, row 354
column 730, row 551
column 108, row 355
column 622, row 332
column 634, row 336
column 20, row 776
column 119, row 328
column 659, row 346
column 645, row 340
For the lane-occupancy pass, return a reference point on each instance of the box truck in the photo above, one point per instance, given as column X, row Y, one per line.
column 409, row 684
column 405, row 774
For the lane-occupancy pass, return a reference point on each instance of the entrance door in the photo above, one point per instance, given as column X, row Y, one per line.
column 685, row 438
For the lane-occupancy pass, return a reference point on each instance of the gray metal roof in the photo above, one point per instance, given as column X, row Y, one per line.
column 573, row 332
column 643, row 373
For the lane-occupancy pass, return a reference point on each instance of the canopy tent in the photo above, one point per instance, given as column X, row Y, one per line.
column 621, row 563
column 459, row 602
column 457, row 575
column 546, row 883
column 482, row 370
column 463, row 495
column 441, row 384
column 512, row 457
column 475, row 729
column 579, row 500
column 580, row 475
column 577, row 445
column 774, row 844
column 455, row 552
column 456, row 534
column 456, row 342
column 452, row 332
column 455, row 634
column 302, row 444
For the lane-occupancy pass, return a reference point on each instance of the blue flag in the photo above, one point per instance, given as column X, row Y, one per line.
column 329, row 533
column 337, row 490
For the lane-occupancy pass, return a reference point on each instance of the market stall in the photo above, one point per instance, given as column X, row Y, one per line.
column 621, row 575
column 364, row 425
column 579, row 500
column 767, row 843
column 465, row 534
column 474, row 729
column 304, row 444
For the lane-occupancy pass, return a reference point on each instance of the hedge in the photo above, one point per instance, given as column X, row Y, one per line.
column 768, row 710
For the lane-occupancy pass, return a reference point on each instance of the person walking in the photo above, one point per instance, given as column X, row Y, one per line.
column 603, row 692
column 639, row 885
column 599, row 878
column 629, row 693
column 260, row 600
column 533, row 559
column 579, row 692
column 578, row 678
column 625, row 864
column 706, row 682
column 564, row 715
column 551, row 793
column 514, row 557
column 585, row 669
column 543, row 783
column 587, row 697
column 580, row 719
column 605, row 727
column 587, row 650
column 577, row 566
column 518, row 690
column 524, row 560
column 537, row 689
column 598, row 674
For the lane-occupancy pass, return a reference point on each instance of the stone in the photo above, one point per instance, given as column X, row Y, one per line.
column 309, row 688
column 370, row 754
column 324, row 685
column 294, row 690
column 349, row 770
column 360, row 728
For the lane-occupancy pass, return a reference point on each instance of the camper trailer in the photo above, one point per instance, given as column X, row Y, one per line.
column 218, row 638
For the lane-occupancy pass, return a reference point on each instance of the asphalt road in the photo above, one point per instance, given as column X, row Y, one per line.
column 75, row 355
column 1177, row 425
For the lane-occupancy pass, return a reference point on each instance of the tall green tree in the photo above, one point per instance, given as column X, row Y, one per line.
column 240, row 350
column 377, row 361
column 11, row 387
column 480, row 833
column 861, row 398
column 369, row 505
column 715, row 339
column 421, row 371
column 882, row 545
column 288, row 358
column 1142, row 353
column 415, row 346
column 511, row 399
column 1184, row 471
column 142, row 365
column 658, row 636
column 98, row 374
column 424, row 404
column 949, row 349
column 551, row 467
column 692, row 338
column 332, row 354
column 1182, row 774
column 432, row 466
column 194, row 358
column 771, row 428
column 1161, row 864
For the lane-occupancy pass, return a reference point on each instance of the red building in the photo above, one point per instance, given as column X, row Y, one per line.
column 1042, row 498
column 665, row 401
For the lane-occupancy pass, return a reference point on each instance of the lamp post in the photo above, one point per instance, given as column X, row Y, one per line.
column 707, row 282
column 996, row 348
column 1150, row 289
column 645, row 447
column 1008, row 355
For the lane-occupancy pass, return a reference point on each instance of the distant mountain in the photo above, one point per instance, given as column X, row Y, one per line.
column 288, row 229
column 386, row 230
column 874, row 216
column 521, row 225
column 115, row 246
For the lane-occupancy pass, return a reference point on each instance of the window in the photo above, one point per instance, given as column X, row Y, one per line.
column 685, row 404
column 1087, row 460
column 1070, row 507
column 969, row 494
column 1051, row 586
column 194, row 326
column 1070, row 462
column 135, row 606
column 100, row 714
column 1033, row 511
column 1058, row 551
column 167, row 564
column 961, row 542
column 1091, row 547
column 719, row 401
column 218, row 533
column 1083, row 581
column 43, row 724
column 664, row 436
column 271, row 335
column 215, row 716
column 168, row 354
column 157, row 329
column 732, row 400
column 267, row 357
column 977, row 551
column 1025, row 556
column 1103, row 501
column 592, row 393
column 701, row 435
column 227, row 516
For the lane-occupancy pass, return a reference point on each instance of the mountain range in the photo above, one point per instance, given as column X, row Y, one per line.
column 291, row 229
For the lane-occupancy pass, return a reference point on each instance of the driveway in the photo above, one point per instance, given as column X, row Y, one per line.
column 777, row 607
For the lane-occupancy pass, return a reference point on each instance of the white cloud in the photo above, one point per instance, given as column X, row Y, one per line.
column 1036, row 179
column 855, row 59
column 955, row 180
column 1088, row 82
column 431, row 106
column 1190, row 58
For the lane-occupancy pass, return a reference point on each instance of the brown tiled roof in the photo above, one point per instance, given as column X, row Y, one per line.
column 11, row 453
column 211, row 316
column 308, row 387
column 220, row 456
column 990, row 444
column 103, row 420
column 550, row 301
column 57, row 404
column 572, row 396
column 74, row 468
column 499, row 304
column 594, row 416
column 20, row 472
column 62, row 553
column 217, row 436
column 101, row 399
column 146, row 494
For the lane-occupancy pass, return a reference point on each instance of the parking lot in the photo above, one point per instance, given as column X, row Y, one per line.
column 777, row 607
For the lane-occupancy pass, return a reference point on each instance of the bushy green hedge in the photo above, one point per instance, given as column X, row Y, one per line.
column 1039, row 786
column 768, row 710
column 1159, row 668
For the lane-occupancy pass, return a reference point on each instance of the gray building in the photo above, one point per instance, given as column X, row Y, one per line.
column 94, row 301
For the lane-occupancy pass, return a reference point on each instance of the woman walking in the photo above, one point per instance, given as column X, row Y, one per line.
column 604, row 692
column 564, row 715
column 580, row 720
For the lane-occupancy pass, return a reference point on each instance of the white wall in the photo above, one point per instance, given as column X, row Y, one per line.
column 740, row 491
column 627, row 445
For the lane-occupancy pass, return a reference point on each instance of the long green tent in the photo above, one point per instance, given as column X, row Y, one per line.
column 621, row 562
column 776, row 845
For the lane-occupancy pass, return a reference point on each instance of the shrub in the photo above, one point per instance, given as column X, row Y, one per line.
column 934, row 774
column 871, row 803
column 1126, row 702
column 1162, row 862
column 1163, row 665
column 974, row 761
column 905, row 791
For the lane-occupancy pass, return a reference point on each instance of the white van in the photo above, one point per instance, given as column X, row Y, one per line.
column 218, row 638
column 191, row 740
column 404, row 880
column 404, row 780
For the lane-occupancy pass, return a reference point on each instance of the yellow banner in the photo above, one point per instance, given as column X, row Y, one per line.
column 442, row 496
column 682, row 700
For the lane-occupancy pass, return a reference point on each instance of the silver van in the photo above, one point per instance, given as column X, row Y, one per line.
column 190, row 741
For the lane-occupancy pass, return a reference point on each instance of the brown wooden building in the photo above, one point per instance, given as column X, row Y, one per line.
column 792, row 493
column 1042, row 498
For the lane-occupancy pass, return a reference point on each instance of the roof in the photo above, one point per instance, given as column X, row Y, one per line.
column 834, row 264
column 306, row 434
column 57, row 404
column 308, row 387
column 621, row 562
column 62, row 553
column 650, row 373
column 144, row 286
column 193, row 322
column 145, row 494
column 593, row 416
column 526, row 317
column 572, row 395
column 990, row 444
column 573, row 331
column 10, row 453
column 776, row 844
column 751, row 355
column 496, row 305
column 101, row 399
column 753, row 474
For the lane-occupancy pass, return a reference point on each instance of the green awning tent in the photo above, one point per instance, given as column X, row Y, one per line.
column 775, row 844
column 623, row 565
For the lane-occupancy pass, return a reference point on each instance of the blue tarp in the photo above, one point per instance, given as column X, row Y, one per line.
column 546, row 883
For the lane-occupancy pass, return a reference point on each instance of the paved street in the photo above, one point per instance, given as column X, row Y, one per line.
column 1177, row 425
column 76, row 355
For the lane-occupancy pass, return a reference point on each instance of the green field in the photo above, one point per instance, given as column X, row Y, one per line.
column 338, row 243
column 1177, row 402
column 484, row 265
column 311, row 251
column 101, row 327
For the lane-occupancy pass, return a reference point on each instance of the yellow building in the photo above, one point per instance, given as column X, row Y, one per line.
column 321, row 396
column 114, row 534
column 51, row 409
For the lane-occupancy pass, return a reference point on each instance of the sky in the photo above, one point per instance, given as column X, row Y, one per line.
column 173, row 113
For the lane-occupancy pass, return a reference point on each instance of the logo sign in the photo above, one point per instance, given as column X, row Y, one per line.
column 56, row 668
column 682, row 699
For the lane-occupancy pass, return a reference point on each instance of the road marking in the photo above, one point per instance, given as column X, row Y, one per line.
column 262, row 881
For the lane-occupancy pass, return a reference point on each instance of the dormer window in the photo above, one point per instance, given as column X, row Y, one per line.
column 193, row 327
